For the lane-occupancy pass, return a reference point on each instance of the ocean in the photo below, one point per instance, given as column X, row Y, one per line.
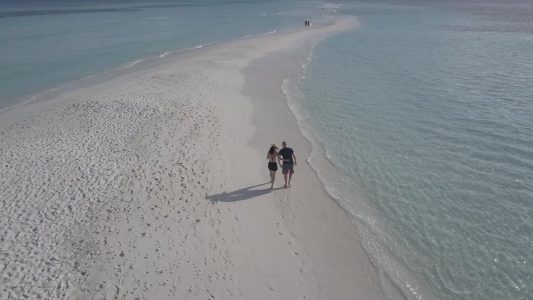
column 421, row 119
column 426, row 112
column 46, row 45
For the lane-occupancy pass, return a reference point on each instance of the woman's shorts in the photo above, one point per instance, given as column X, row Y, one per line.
column 273, row 166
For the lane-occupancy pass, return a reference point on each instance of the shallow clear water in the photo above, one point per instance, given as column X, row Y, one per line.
column 46, row 43
column 428, row 113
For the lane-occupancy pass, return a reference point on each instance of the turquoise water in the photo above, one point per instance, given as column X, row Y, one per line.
column 44, row 44
column 426, row 112
column 429, row 116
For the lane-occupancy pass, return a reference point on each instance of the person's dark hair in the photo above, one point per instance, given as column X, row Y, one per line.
column 271, row 150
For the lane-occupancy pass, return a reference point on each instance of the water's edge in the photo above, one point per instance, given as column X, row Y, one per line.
column 396, row 281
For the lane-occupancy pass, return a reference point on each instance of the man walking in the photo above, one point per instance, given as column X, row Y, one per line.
column 289, row 161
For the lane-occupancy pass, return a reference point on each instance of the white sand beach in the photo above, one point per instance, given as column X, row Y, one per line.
column 154, row 185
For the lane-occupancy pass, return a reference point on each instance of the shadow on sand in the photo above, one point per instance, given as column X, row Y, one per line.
column 243, row 194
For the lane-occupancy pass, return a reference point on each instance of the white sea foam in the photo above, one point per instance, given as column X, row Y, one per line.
column 34, row 98
column 131, row 64
column 270, row 32
column 165, row 54
column 331, row 6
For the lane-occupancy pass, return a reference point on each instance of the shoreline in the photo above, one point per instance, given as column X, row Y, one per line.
column 172, row 200
column 334, row 214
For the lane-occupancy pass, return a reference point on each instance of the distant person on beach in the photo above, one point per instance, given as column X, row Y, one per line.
column 273, row 159
column 289, row 161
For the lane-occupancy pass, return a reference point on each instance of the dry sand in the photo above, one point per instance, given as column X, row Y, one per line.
column 153, row 185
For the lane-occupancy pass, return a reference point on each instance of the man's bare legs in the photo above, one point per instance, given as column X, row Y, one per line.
column 287, row 183
column 290, row 177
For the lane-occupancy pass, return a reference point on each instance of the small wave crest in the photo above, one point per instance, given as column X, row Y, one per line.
column 163, row 55
column 330, row 7
column 56, row 90
column 130, row 64
column 34, row 98
column 167, row 53
column 247, row 36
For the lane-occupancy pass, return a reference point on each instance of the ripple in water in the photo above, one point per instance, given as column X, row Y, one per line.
column 433, row 125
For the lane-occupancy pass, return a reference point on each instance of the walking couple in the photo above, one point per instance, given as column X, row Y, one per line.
column 274, row 158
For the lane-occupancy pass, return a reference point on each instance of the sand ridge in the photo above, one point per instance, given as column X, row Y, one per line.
column 146, row 187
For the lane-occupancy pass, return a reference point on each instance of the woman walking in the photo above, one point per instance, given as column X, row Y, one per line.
column 272, row 157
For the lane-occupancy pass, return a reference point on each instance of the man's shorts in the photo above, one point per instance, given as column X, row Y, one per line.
column 287, row 167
